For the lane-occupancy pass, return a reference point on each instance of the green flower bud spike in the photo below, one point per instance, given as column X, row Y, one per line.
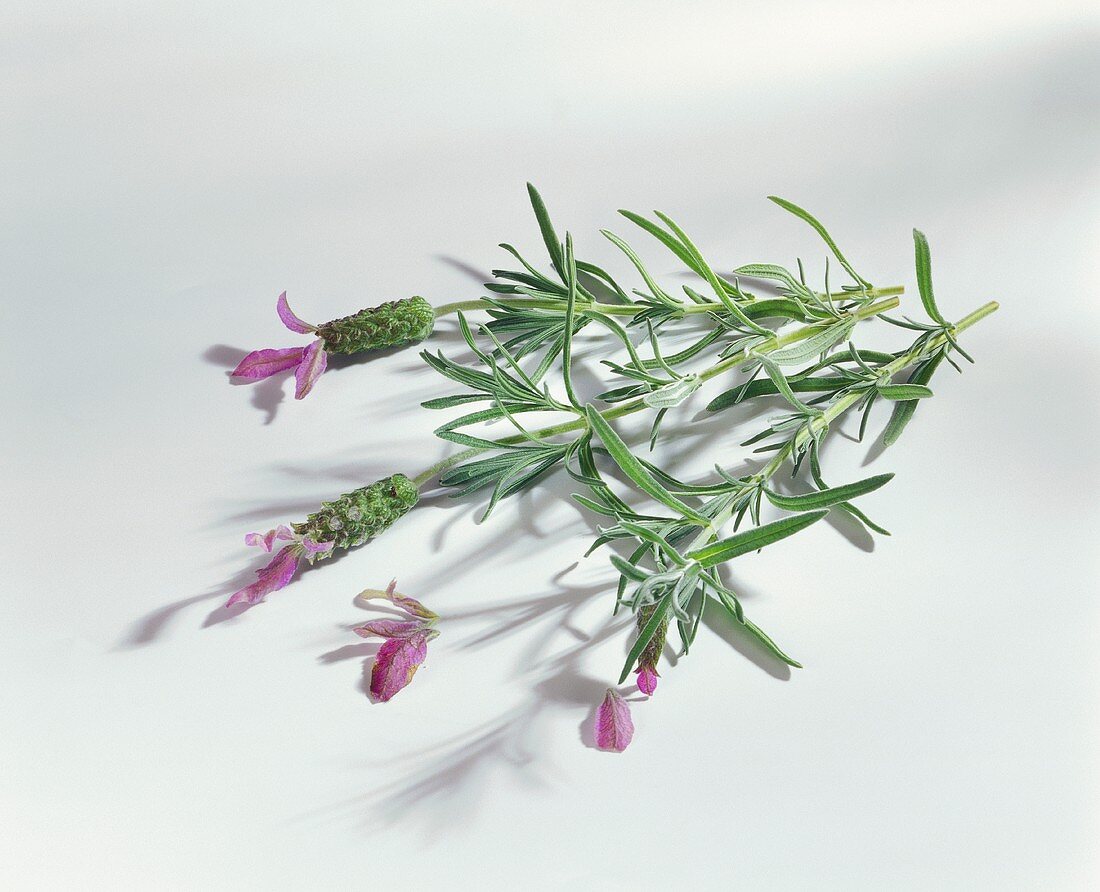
column 361, row 514
column 396, row 323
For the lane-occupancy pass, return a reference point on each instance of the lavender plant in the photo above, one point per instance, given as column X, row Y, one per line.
column 672, row 540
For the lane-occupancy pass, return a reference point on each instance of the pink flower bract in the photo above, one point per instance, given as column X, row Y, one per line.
column 647, row 680
column 396, row 664
column 260, row 364
column 614, row 727
column 272, row 577
column 289, row 319
column 314, row 362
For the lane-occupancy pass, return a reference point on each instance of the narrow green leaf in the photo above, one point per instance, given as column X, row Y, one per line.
column 672, row 394
column 815, row 344
column 768, row 388
column 821, row 231
column 756, row 538
column 904, row 391
column 784, row 388
column 635, row 470
column 924, row 277
column 904, row 410
column 765, row 639
column 826, row 498
column 553, row 246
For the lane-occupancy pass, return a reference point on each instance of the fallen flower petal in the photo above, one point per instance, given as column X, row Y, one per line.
column 314, row 361
column 389, row 628
column 396, row 664
column 614, row 727
column 272, row 577
column 260, row 364
column 647, row 680
column 289, row 319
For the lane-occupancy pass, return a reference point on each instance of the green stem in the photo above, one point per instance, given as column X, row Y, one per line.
column 631, row 309
column 460, row 306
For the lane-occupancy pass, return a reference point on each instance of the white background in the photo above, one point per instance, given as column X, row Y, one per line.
column 168, row 168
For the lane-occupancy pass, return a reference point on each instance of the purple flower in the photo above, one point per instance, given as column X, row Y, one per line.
column 614, row 727
column 278, row 573
column 647, row 679
column 308, row 362
column 406, row 644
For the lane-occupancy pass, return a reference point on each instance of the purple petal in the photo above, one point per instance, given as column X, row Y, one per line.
column 409, row 605
column 314, row 360
column 266, row 541
column 289, row 319
column 389, row 628
column 261, row 364
column 272, row 577
column 647, row 680
column 313, row 548
column 614, row 727
column 396, row 664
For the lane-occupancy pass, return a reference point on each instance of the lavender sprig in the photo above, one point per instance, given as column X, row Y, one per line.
column 678, row 544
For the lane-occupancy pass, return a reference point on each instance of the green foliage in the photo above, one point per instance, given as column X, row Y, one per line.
column 671, row 545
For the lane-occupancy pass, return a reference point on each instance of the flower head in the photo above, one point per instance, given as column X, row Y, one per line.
column 614, row 727
column 308, row 362
column 406, row 644
column 392, row 324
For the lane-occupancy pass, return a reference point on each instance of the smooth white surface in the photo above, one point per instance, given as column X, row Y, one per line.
column 168, row 168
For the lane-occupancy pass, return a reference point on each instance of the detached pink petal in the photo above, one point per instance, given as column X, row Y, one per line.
column 389, row 628
column 314, row 361
column 289, row 319
column 396, row 664
column 409, row 605
column 614, row 727
column 261, row 364
column 647, row 680
column 272, row 577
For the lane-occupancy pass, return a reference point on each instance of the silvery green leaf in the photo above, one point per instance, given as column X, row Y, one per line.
column 751, row 540
column 808, row 348
column 772, row 271
column 673, row 393
column 904, row 391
